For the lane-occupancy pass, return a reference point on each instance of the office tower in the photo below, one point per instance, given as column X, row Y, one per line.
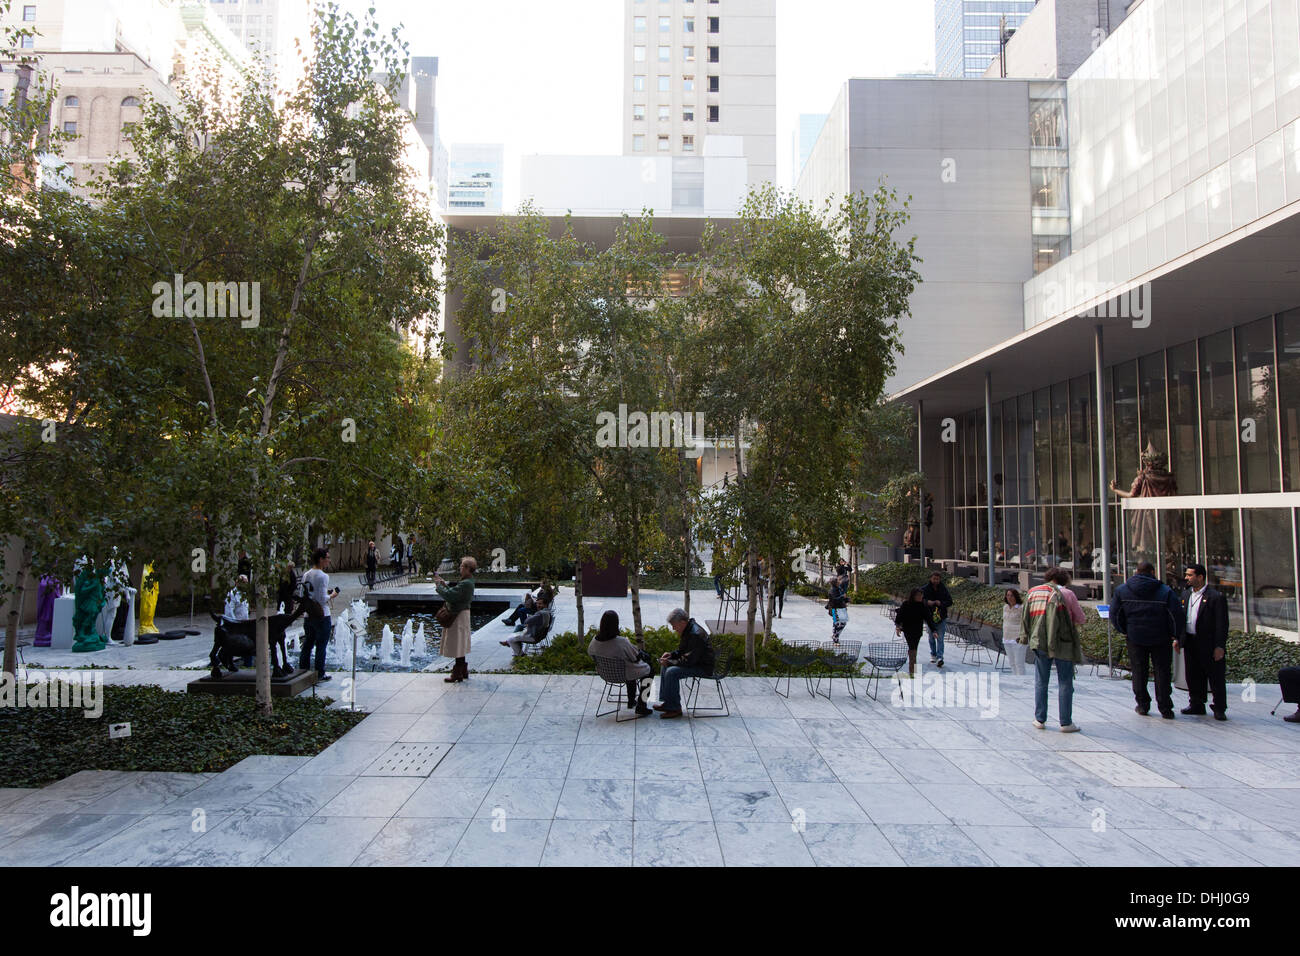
column 967, row 33
column 269, row 29
column 700, row 79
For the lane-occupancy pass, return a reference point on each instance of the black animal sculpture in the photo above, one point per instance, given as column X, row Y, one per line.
column 236, row 639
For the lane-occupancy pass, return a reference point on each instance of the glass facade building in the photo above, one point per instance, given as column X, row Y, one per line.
column 1224, row 412
column 967, row 33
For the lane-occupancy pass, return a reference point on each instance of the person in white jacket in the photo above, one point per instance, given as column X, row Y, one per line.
column 1011, row 621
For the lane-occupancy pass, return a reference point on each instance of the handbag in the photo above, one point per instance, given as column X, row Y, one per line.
column 445, row 616
column 1180, row 669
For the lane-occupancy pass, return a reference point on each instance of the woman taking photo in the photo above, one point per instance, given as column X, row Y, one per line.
column 455, row 636
column 1011, row 620
column 609, row 644
column 910, row 622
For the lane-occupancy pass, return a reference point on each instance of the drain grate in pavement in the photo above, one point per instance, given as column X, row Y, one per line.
column 408, row 760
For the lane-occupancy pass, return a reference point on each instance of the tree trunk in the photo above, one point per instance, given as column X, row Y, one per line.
column 262, row 659
column 16, row 614
column 577, row 594
column 634, row 580
column 771, row 605
column 686, row 588
column 751, row 570
column 853, row 563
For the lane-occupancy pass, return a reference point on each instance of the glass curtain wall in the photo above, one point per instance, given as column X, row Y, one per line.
column 1221, row 413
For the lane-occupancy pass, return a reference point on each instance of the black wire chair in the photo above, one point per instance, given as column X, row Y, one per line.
column 839, row 660
column 977, row 644
column 886, row 660
column 721, row 668
column 796, row 656
column 614, row 674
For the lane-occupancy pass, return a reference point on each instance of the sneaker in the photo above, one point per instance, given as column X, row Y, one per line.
column 1194, row 711
column 1220, row 715
column 940, row 663
column 670, row 714
column 1293, row 718
column 1039, row 724
column 1070, row 729
column 1142, row 711
column 323, row 678
column 933, row 659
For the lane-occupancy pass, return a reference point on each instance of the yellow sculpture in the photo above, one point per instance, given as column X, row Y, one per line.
column 148, row 602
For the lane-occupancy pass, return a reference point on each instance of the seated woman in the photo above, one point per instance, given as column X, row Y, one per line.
column 608, row 643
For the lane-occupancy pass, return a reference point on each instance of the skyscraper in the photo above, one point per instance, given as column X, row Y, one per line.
column 697, row 72
column 967, row 33
column 477, row 170
column 269, row 29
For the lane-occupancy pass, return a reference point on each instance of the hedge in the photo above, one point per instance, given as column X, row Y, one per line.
column 566, row 654
column 170, row 731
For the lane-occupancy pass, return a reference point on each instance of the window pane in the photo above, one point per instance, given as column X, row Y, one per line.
column 1272, row 568
column 1177, row 545
column 1255, row 409
column 1126, row 423
column 1184, row 434
column 1222, row 561
column 1025, row 451
column 1218, row 415
column 1151, row 405
column 1288, row 385
column 1010, row 453
column 1043, row 445
column 1081, row 438
column 1061, row 441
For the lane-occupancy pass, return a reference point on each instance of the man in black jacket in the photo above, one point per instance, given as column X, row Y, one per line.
column 693, row 658
column 1204, row 643
column 1147, row 612
column 937, row 600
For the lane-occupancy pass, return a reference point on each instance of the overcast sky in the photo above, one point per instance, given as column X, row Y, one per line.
column 547, row 78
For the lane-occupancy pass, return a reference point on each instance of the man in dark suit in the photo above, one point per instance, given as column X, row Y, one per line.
column 1204, row 643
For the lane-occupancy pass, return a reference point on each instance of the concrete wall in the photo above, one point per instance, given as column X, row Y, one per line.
column 972, row 225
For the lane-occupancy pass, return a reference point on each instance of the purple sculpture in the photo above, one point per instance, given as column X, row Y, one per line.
column 50, row 588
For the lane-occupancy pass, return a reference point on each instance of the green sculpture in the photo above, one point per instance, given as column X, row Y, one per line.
column 89, row 591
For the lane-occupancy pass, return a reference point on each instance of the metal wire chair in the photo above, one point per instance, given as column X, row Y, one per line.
column 839, row 660
column 614, row 674
column 721, row 668
column 886, row 660
column 796, row 656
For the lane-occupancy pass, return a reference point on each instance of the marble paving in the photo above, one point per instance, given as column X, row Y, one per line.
column 516, row 770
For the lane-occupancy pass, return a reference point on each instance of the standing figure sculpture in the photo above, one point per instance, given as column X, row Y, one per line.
column 148, row 601
column 89, row 591
column 50, row 589
column 1153, row 480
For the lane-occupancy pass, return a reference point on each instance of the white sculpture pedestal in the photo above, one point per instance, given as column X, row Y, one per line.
column 61, row 633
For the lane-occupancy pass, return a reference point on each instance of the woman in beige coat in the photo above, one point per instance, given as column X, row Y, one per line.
column 455, row 636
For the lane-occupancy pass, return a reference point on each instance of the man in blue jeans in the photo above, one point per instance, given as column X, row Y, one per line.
column 693, row 658
column 1050, row 628
column 937, row 600
column 316, row 631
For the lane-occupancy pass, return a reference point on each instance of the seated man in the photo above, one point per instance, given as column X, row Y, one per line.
column 535, row 627
column 693, row 658
column 521, row 612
